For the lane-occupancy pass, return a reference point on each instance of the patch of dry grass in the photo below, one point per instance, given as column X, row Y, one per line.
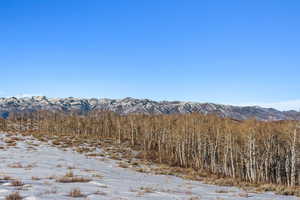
column 9, row 141
column 73, row 180
column 279, row 189
column 194, row 198
column 19, row 165
column 244, row 194
column 83, row 150
column 69, row 177
column 123, row 165
column 56, row 142
column 141, row 170
column 221, row 181
column 17, row 183
column 71, row 167
column 144, row 190
column 16, row 165
column 6, row 178
column 14, row 196
column 95, row 154
column 75, row 193
column 221, row 191
column 35, row 178
column 98, row 192
column 99, row 176
column 69, row 174
column 115, row 156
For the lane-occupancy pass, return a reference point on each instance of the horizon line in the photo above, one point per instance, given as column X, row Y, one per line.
column 289, row 105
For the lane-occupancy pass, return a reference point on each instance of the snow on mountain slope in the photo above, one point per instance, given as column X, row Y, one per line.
column 146, row 106
column 38, row 165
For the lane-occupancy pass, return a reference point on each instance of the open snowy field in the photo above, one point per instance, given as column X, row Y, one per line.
column 38, row 170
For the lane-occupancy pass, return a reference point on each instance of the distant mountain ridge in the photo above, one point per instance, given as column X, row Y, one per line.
column 130, row 105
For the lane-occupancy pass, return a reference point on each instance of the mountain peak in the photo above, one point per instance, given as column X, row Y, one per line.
column 130, row 105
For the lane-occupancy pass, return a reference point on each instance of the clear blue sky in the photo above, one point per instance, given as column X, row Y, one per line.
column 232, row 52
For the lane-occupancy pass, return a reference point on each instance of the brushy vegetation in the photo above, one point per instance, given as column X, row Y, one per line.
column 17, row 183
column 76, row 192
column 69, row 177
column 14, row 196
column 247, row 151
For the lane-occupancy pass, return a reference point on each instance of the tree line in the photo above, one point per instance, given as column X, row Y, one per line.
column 250, row 150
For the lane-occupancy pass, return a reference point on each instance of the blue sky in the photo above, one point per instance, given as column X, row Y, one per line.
column 231, row 52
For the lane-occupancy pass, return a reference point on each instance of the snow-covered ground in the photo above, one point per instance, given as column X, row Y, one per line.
column 38, row 165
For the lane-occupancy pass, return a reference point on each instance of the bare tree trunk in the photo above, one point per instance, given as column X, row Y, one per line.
column 293, row 159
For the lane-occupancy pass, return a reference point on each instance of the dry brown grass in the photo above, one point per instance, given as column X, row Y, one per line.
column 16, row 165
column 55, row 142
column 73, row 180
column 17, row 183
column 144, row 190
column 49, row 191
column 141, row 170
column 123, row 165
column 69, row 174
column 222, row 191
column 97, row 176
column 47, row 183
column 12, row 144
column 83, row 149
column 71, row 167
column 6, row 178
column 29, row 166
column 194, row 198
column 15, row 138
column 279, row 189
column 14, row 196
column 98, row 192
column 35, row 178
column 245, row 195
column 9, row 141
column 221, row 181
column 95, row 154
column 75, row 193
column 51, row 177
column 19, row 165
column 115, row 156
column 69, row 177
column 147, row 189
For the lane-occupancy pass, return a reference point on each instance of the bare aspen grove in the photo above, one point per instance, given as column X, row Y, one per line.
column 251, row 151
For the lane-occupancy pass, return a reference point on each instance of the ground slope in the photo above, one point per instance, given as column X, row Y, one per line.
column 43, row 170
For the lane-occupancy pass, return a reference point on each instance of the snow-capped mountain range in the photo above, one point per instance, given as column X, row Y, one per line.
column 146, row 106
